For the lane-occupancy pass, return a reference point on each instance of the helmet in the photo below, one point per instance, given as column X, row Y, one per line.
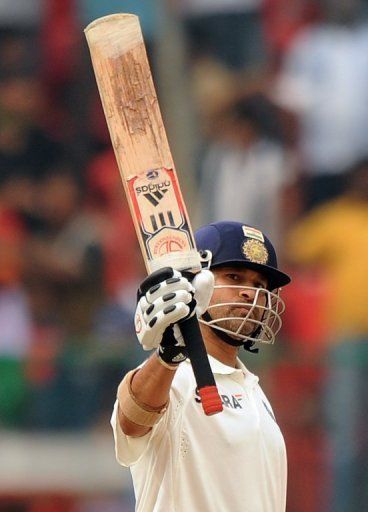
column 236, row 244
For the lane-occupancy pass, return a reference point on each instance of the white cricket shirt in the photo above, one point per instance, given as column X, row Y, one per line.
column 234, row 461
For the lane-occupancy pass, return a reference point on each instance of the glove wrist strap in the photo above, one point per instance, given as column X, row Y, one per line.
column 173, row 367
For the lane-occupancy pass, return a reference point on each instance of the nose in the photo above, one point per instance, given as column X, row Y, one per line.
column 248, row 294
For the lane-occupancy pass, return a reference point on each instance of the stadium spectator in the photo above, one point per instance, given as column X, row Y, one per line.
column 15, row 319
column 26, row 148
column 246, row 172
column 282, row 22
column 63, row 281
column 334, row 239
column 324, row 80
column 227, row 31
column 65, row 252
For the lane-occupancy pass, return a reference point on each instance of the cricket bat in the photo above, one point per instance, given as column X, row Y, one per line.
column 147, row 169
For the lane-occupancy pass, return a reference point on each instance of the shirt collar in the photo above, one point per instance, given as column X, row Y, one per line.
column 221, row 368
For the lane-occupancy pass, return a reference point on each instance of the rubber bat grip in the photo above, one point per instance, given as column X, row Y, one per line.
column 210, row 398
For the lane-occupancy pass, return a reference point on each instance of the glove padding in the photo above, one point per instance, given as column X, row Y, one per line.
column 172, row 348
column 165, row 298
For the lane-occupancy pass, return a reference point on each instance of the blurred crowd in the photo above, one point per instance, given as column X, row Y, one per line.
column 279, row 94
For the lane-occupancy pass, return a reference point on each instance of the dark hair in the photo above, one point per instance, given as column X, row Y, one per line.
column 260, row 112
column 66, row 169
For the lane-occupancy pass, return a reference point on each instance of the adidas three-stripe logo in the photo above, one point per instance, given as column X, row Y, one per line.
column 162, row 221
column 156, row 196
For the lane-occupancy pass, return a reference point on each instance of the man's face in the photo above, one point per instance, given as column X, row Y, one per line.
column 238, row 292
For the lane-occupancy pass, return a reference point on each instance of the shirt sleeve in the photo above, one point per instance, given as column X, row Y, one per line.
column 128, row 450
column 295, row 87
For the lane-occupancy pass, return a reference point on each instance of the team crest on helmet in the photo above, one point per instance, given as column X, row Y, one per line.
column 255, row 251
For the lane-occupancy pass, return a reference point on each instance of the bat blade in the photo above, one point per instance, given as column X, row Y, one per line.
column 140, row 143
column 146, row 167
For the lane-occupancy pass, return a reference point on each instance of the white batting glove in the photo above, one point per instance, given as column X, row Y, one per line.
column 164, row 299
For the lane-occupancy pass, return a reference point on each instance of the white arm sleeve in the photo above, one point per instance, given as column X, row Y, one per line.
column 129, row 450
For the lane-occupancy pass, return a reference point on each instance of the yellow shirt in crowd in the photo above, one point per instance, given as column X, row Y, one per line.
column 334, row 237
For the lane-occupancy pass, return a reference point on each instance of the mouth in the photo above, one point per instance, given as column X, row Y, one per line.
column 242, row 307
column 244, row 310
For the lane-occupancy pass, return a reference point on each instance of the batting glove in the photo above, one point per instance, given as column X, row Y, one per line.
column 165, row 298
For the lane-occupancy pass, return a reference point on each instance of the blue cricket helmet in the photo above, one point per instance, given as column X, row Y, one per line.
column 235, row 243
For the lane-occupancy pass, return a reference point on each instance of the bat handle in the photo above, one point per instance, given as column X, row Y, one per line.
column 210, row 398
column 211, row 401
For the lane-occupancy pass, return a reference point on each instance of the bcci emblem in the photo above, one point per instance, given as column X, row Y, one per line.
column 255, row 251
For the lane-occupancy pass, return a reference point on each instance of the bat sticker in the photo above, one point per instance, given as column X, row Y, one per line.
column 160, row 213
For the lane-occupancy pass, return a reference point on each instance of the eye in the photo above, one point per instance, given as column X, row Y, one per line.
column 260, row 284
column 233, row 277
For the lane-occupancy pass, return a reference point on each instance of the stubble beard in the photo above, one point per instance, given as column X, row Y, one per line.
column 232, row 325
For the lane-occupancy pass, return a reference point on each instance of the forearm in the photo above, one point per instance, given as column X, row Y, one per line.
column 150, row 386
column 165, row 298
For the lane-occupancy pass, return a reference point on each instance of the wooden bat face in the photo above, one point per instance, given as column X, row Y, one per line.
column 140, row 143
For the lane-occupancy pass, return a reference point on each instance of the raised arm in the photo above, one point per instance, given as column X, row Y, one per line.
column 143, row 394
column 150, row 386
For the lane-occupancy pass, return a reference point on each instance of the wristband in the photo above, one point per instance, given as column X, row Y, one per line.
column 134, row 410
